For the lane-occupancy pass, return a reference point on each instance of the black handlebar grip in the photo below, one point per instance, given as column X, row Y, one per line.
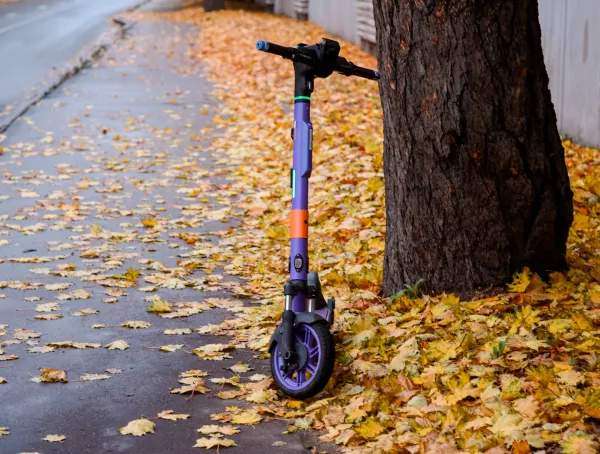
column 347, row 68
column 366, row 73
column 282, row 51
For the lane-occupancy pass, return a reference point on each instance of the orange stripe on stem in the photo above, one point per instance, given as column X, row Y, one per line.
column 299, row 224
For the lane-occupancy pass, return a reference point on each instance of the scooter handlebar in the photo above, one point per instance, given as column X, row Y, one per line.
column 343, row 66
column 347, row 68
column 276, row 49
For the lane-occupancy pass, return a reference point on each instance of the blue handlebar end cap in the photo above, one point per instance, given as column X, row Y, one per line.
column 376, row 74
column 262, row 45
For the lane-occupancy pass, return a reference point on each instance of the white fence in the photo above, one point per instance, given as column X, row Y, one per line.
column 570, row 37
column 571, row 41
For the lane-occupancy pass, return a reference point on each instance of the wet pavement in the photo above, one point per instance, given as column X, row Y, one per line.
column 37, row 36
column 122, row 143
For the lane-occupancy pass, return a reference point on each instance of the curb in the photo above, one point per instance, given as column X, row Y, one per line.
column 87, row 55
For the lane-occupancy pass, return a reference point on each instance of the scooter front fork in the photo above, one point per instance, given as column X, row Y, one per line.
column 317, row 311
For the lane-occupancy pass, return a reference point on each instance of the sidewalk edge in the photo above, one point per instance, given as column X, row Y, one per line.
column 87, row 55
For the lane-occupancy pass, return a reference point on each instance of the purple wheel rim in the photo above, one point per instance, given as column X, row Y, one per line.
column 301, row 378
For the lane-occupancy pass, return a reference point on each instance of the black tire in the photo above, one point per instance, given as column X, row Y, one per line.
column 323, row 373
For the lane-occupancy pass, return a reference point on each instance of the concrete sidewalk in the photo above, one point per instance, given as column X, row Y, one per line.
column 120, row 143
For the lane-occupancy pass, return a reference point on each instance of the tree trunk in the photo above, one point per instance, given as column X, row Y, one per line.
column 475, row 178
column 213, row 5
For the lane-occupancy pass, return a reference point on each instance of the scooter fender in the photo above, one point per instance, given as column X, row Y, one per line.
column 301, row 317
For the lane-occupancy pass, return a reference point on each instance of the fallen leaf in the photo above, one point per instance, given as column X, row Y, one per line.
column 136, row 324
column 92, row 377
column 214, row 429
column 303, row 423
column 55, row 438
column 48, row 317
column 171, row 416
column 44, row 349
column 210, row 443
column 369, row 429
column 149, row 223
column 47, row 307
column 8, row 357
column 138, row 427
column 240, row 368
column 23, row 334
column 159, row 306
column 118, row 345
column 83, row 312
column 246, row 417
column 79, row 294
column 521, row 447
column 178, row 331
column 53, row 375
column 257, row 377
column 170, row 347
column 193, row 385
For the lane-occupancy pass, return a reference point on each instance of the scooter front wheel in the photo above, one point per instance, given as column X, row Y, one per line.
column 316, row 354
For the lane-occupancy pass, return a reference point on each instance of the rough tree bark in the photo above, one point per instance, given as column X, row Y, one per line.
column 214, row 5
column 475, row 178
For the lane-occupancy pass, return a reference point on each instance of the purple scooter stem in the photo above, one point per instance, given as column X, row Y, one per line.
column 302, row 168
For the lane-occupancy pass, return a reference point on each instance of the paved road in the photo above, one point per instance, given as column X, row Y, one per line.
column 38, row 35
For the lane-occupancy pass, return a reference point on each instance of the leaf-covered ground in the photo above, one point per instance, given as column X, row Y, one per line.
column 145, row 233
column 518, row 371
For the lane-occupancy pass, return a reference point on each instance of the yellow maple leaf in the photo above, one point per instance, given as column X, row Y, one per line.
column 580, row 442
column 95, row 229
column 303, row 423
column 192, row 385
column 370, row 429
column 171, row 415
column 170, row 347
column 246, row 417
column 214, row 429
column 149, row 223
column 407, row 353
column 131, row 275
column 138, row 427
column 92, row 377
column 214, row 442
column 159, row 306
column 135, row 324
column 570, row 377
column 262, row 396
column 240, row 368
column 557, row 326
column 177, row 331
column 118, row 345
column 527, row 406
column 583, row 322
column 520, row 281
column 55, row 438
column 505, row 425
column 49, row 375
column 591, row 403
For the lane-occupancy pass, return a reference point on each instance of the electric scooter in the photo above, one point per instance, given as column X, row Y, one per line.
column 302, row 348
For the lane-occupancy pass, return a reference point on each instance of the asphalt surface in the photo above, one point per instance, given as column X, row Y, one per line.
column 37, row 36
column 105, row 138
